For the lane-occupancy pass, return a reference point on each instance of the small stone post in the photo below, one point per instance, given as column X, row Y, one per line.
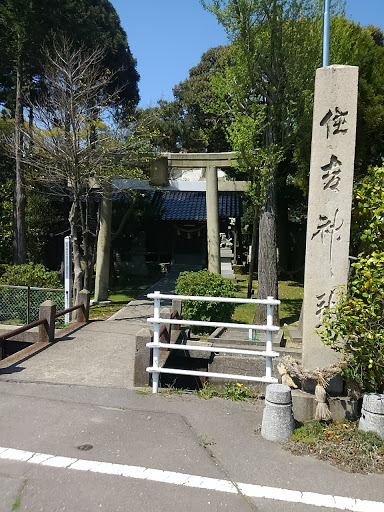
column 278, row 423
column 47, row 310
column 329, row 203
column 372, row 414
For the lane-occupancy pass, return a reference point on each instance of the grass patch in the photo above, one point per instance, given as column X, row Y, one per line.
column 235, row 391
column 16, row 504
column 290, row 294
column 132, row 287
column 117, row 301
column 341, row 444
column 171, row 389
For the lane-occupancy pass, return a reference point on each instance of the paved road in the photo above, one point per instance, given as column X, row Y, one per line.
column 146, row 452
column 163, row 452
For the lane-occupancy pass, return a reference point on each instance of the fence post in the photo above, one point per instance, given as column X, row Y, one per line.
column 47, row 311
column 28, row 304
column 82, row 314
column 156, row 340
column 268, row 347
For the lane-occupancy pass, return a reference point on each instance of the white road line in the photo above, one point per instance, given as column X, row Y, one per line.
column 196, row 481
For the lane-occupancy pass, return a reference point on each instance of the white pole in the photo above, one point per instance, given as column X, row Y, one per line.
column 67, row 277
column 156, row 341
column 268, row 348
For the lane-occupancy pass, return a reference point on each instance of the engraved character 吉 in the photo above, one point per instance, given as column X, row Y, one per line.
column 331, row 174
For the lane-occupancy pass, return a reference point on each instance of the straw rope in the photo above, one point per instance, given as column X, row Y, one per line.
column 290, row 368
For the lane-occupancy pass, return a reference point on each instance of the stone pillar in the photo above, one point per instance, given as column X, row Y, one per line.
column 158, row 170
column 329, row 203
column 47, row 310
column 213, row 231
column 82, row 314
column 141, row 377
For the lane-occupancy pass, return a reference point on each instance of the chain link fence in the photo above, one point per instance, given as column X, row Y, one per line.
column 19, row 305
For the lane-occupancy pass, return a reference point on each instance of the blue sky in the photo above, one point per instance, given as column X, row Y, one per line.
column 168, row 37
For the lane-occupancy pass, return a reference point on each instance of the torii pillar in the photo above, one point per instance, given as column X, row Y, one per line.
column 213, row 229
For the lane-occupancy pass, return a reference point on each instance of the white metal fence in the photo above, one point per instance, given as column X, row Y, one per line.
column 268, row 353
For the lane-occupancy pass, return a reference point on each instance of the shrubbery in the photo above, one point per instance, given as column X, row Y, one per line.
column 205, row 283
column 30, row 274
column 355, row 327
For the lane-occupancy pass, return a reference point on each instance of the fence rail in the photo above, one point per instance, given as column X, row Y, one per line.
column 156, row 345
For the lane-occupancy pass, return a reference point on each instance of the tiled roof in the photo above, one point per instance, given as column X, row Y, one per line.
column 175, row 205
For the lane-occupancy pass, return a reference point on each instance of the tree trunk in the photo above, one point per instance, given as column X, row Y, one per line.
column 104, row 248
column 267, row 265
column 86, row 244
column 19, row 238
column 253, row 251
column 78, row 273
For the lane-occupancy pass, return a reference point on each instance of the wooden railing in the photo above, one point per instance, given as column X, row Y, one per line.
column 46, row 322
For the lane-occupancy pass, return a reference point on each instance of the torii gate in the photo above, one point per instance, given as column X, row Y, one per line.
column 210, row 162
column 160, row 178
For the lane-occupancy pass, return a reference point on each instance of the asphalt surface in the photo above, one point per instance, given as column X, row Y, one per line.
column 76, row 436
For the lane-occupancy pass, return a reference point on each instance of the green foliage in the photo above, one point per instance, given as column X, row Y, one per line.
column 30, row 274
column 355, row 326
column 368, row 211
column 6, row 210
column 205, row 283
column 308, row 433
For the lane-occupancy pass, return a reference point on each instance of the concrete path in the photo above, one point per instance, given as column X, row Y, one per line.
column 99, row 354
column 75, row 436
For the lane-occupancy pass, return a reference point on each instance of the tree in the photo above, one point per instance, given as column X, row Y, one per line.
column 70, row 148
column 196, row 95
column 26, row 26
column 188, row 123
column 268, row 95
column 260, row 91
column 19, row 23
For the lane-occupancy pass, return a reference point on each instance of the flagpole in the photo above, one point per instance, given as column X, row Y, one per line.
column 326, row 31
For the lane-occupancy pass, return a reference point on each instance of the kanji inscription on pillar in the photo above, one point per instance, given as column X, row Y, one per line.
column 329, row 203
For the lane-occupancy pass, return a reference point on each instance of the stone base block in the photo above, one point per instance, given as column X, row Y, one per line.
column 304, row 406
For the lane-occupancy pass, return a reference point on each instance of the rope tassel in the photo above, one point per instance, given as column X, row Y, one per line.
column 322, row 412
